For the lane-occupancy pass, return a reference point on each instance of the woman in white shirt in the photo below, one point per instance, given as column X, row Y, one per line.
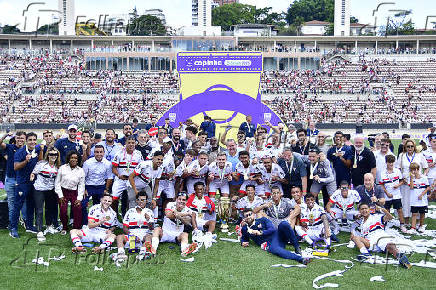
column 404, row 160
column 44, row 175
column 70, row 187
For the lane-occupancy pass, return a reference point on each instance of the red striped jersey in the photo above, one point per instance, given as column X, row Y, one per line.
column 312, row 217
column 200, row 206
column 419, row 185
column 146, row 174
column 126, row 163
column 97, row 213
column 138, row 222
column 389, row 180
column 45, row 176
column 220, row 173
column 373, row 224
column 344, row 203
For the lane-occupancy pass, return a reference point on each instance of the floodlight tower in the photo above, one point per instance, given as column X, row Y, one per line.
column 342, row 18
column 67, row 23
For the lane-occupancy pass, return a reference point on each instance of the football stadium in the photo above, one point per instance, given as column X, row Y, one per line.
column 218, row 144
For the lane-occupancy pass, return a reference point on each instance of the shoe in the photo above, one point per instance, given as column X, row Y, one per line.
column 363, row 257
column 189, row 250
column 142, row 255
column 97, row 250
column 306, row 261
column 120, row 258
column 412, row 231
column 351, row 245
column 334, row 238
column 149, row 248
column 31, row 229
column 51, row 230
column 14, row 234
column 421, row 229
column 78, row 249
column 403, row 229
column 40, row 237
column 404, row 261
column 63, row 232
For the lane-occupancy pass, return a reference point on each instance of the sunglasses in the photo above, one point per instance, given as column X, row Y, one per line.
column 344, row 188
column 53, row 154
column 142, row 199
column 410, row 146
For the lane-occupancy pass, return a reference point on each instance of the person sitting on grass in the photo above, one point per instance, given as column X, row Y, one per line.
column 101, row 224
column 265, row 235
column 373, row 235
column 139, row 224
column 314, row 225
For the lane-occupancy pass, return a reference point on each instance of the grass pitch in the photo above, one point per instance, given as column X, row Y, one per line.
column 223, row 266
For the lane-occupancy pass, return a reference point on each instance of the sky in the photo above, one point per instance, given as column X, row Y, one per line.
column 178, row 12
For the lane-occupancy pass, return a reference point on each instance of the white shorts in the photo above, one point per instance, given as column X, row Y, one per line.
column 118, row 187
column 223, row 186
column 167, row 187
column 314, row 233
column 379, row 240
column 170, row 236
column 90, row 235
column 140, row 234
column 337, row 213
column 201, row 222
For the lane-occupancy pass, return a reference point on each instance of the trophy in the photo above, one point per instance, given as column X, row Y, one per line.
column 133, row 244
column 224, row 212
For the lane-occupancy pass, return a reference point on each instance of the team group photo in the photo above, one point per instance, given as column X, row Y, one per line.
column 265, row 150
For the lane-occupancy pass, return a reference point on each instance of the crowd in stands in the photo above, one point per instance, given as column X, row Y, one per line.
column 39, row 86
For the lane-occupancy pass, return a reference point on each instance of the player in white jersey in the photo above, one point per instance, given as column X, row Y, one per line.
column 272, row 175
column 419, row 187
column 220, row 173
column 250, row 201
column 176, row 226
column 391, row 180
column 341, row 206
column 245, row 170
column 314, row 225
column 123, row 165
column 146, row 177
column 138, row 226
column 166, row 181
column 197, row 172
column 373, row 235
column 101, row 223
column 204, row 209
column 182, row 169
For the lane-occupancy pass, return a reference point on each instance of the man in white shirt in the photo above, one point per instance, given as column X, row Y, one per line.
column 380, row 158
column 98, row 172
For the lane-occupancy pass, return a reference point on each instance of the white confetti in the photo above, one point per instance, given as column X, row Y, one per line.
column 377, row 279
column 189, row 260
column 40, row 261
column 98, row 269
column 288, row 266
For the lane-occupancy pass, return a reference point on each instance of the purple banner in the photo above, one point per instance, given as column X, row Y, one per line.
column 219, row 63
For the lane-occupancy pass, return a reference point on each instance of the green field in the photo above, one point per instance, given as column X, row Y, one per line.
column 224, row 266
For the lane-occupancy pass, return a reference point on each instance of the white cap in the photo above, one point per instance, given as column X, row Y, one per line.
column 72, row 126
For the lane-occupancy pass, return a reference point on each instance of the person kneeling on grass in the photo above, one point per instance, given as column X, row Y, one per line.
column 264, row 234
column 374, row 237
column 176, row 226
column 101, row 223
column 139, row 224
